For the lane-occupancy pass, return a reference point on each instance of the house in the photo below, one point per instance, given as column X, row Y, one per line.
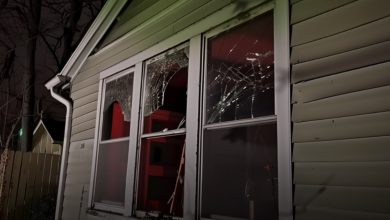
column 209, row 109
column 48, row 136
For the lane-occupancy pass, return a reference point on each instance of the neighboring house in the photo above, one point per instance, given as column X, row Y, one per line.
column 213, row 109
column 48, row 136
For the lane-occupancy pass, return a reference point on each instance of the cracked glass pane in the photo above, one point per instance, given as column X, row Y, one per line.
column 240, row 72
column 166, row 91
column 117, row 107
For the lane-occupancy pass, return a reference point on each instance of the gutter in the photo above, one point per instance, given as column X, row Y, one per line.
column 59, row 80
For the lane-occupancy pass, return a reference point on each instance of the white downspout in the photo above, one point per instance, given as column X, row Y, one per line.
column 65, row 146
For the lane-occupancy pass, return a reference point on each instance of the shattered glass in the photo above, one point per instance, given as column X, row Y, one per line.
column 240, row 72
column 159, row 72
column 120, row 90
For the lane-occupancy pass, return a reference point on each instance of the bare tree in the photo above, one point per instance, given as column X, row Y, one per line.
column 36, row 39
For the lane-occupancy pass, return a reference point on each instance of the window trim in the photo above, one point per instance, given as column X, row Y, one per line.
column 98, row 141
column 193, row 33
column 260, row 120
column 169, row 133
column 282, row 104
column 283, row 107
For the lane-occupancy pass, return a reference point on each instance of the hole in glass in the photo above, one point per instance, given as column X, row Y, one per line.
column 117, row 108
column 166, row 91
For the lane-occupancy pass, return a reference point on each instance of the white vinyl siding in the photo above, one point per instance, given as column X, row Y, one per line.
column 77, row 180
column 340, row 111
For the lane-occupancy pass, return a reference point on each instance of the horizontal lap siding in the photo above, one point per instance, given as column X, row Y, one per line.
column 306, row 9
column 370, row 174
column 135, row 15
column 346, row 150
column 77, row 180
column 311, row 213
column 356, row 103
column 341, row 109
column 366, row 199
column 346, row 82
column 84, row 94
column 339, row 20
column 135, row 40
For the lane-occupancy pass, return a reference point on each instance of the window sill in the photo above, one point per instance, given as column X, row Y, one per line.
column 97, row 215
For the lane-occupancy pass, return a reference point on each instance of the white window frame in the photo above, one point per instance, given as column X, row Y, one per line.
column 130, row 138
column 281, row 98
column 172, row 132
column 192, row 184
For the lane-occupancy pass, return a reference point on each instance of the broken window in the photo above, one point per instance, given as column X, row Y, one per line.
column 161, row 168
column 240, row 72
column 117, row 107
column 113, row 148
column 166, row 91
column 240, row 158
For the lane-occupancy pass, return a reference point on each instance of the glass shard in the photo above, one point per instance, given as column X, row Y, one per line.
column 240, row 73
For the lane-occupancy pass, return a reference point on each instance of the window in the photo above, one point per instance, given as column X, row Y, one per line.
column 194, row 128
column 239, row 175
column 161, row 167
column 113, row 147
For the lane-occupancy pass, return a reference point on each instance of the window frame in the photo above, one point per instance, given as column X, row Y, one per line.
column 169, row 133
column 98, row 140
column 247, row 122
column 195, row 97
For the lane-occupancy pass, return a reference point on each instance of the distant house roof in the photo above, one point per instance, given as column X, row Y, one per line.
column 54, row 128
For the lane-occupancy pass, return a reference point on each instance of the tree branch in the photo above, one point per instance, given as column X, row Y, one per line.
column 52, row 50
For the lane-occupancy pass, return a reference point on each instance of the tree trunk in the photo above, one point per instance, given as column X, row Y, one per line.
column 29, row 76
column 70, row 30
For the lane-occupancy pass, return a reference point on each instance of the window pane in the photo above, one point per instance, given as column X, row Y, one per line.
column 159, row 179
column 117, row 108
column 240, row 72
column 111, row 173
column 240, row 173
column 166, row 91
